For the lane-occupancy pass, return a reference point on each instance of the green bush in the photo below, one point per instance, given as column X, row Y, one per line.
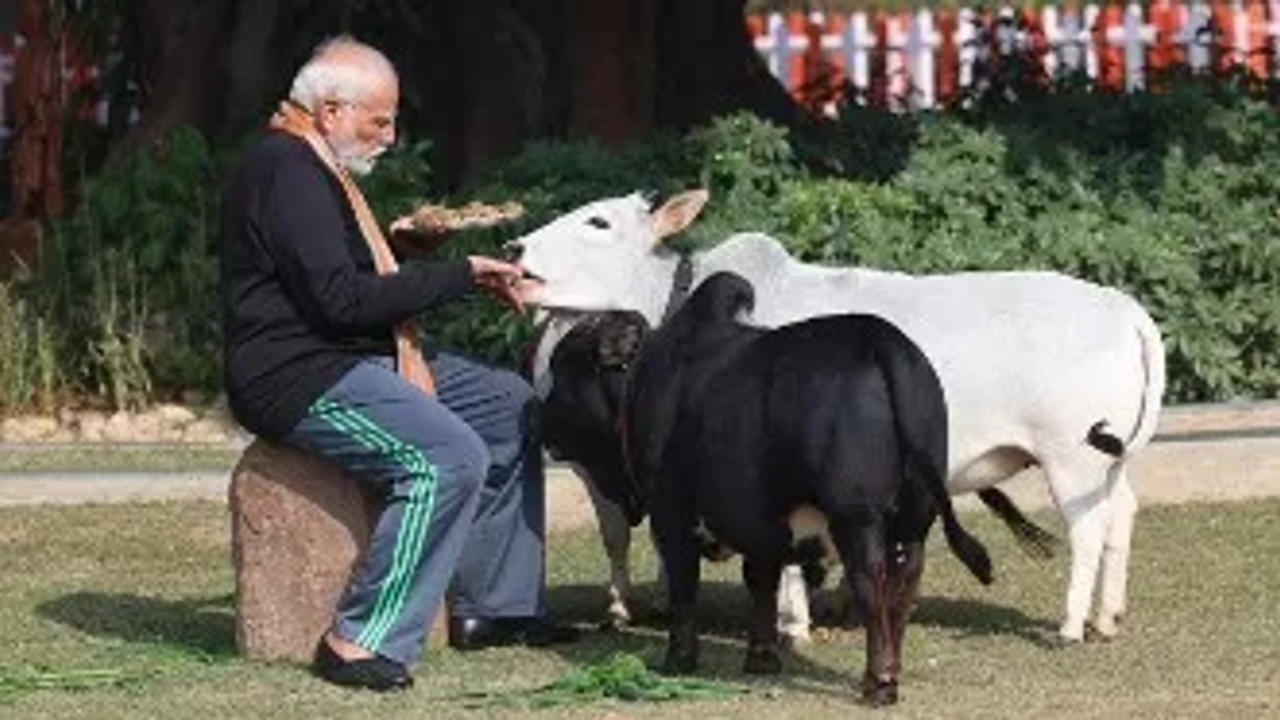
column 548, row 179
column 1169, row 196
column 122, row 304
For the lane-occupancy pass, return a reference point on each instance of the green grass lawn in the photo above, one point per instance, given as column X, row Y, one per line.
column 126, row 611
column 117, row 458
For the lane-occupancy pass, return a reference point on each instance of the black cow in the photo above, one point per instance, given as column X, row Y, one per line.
column 735, row 428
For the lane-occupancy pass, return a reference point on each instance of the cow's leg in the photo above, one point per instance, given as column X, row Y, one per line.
column 860, row 541
column 661, row 592
column 761, row 573
column 793, row 619
column 837, row 606
column 615, row 532
column 906, row 566
column 1086, row 508
column 673, row 530
column 1115, row 553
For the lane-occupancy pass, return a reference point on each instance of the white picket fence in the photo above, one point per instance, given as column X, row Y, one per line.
column 924, row 53
column 78, row 72
column 919, row 57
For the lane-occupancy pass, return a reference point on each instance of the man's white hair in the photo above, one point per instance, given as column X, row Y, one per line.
column 341, row 68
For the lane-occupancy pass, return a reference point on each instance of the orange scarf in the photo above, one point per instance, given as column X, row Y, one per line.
column 296, row 121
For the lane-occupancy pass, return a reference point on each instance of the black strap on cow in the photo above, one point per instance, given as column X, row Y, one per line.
column 680, row 286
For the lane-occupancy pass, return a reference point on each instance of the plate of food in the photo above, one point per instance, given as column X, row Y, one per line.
column 439, row 218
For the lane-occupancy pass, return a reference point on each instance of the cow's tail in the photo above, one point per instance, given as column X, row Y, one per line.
column 1151, row 357
column 1033, row 539
column 1154, row 380
column 918, row 406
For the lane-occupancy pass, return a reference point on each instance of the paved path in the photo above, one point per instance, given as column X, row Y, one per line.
column 1216, row 452
column 79, row 487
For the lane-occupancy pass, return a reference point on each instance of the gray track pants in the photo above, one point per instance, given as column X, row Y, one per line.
column 461, row 475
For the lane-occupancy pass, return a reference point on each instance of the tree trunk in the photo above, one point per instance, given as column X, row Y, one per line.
column 708, row 66
column 612, row 70
column 610, row 64
column 181, row 83
column 37, row 152
column 479, row 77
column 494, row 74
column 250, row 63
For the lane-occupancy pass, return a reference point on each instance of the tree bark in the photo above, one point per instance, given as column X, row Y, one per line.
column 479, row 77
column 500, row 87
column 708, row 66
column 612, row 70
column 37, row 152
column 250, row 66
column 610, row 63
column 181, row 83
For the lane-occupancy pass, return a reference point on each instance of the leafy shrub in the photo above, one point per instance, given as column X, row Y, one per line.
column 123, row 301
column 1169, row 196
column 548, row 179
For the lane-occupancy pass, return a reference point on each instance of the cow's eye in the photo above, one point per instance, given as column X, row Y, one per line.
column 598, row 222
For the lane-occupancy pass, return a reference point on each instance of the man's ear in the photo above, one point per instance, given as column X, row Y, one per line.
column 326, row 115
column 678, row 213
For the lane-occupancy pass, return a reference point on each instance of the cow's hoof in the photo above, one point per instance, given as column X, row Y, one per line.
column 612, row 623
column 762, row 661
column 795, row 638
column 1069, row 635
column 615, row 620
column 879, row 692
column 1100, row 632
column 1063, row 642
column 1107, row 627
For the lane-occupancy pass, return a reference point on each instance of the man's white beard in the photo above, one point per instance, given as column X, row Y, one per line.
column 357, row 164
column 352, row 161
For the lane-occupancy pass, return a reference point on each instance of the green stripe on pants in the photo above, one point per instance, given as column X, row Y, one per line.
column 414, row 522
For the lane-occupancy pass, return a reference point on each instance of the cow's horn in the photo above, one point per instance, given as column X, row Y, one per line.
column 678, row 213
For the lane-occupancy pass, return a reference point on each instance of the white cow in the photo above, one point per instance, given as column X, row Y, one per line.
column 1038, row 367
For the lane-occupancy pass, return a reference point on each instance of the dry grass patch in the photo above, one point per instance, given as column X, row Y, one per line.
column 126, row 611
column 88, row 458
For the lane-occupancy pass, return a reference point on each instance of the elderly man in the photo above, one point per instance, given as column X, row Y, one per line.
column 321, row 354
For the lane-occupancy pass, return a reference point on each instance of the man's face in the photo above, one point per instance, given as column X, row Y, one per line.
column 359, row 132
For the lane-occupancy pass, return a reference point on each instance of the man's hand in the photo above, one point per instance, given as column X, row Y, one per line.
column 500, row 279
column 411, row 225
column 413, row 239
column 402, row 224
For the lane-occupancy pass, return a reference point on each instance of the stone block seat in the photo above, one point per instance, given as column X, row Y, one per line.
column 297, row 529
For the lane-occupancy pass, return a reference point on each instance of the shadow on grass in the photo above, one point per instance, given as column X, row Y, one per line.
column 201, row 627
column 969, row 618
column 723, row 613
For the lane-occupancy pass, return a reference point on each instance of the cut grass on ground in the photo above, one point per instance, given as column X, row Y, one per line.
column 126, row 611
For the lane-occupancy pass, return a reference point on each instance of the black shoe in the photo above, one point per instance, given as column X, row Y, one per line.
column 375, row 673
column 474, row 633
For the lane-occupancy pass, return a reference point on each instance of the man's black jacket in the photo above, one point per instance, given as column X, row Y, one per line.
column 301, row 301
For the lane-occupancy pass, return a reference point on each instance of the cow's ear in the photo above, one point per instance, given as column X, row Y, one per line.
column 678, row 213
